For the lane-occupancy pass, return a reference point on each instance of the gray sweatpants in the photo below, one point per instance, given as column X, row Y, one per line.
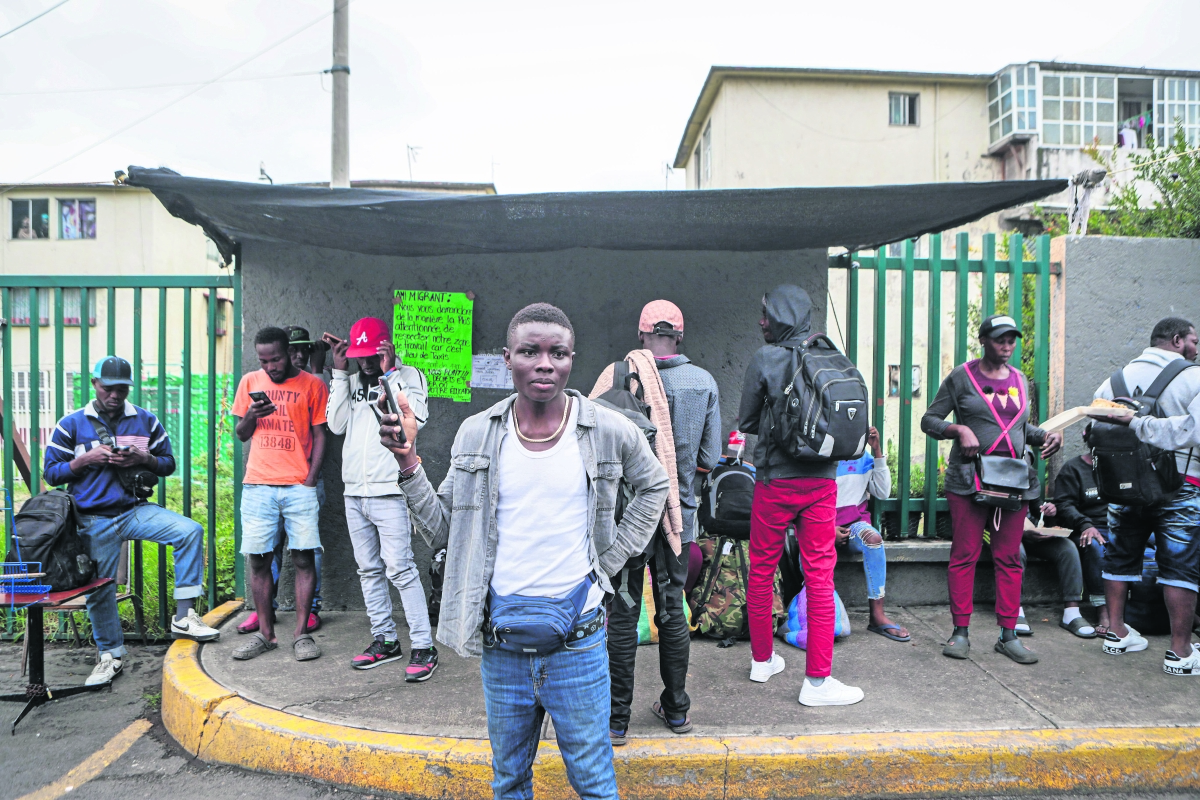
column 382, row 539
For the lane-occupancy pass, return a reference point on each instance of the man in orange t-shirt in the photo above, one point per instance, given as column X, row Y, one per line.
column 281, row 410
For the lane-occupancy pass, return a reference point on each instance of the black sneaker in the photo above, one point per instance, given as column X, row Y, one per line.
column 421, row 665
column 379, row 652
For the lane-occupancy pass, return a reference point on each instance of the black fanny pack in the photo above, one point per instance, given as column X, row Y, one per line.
column 1001, row 482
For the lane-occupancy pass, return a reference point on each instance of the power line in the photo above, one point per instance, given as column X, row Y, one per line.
column 177, row 100
column 33, row 19
column 157, row 85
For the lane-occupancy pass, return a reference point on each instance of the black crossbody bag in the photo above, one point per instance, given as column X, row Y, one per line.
column 138, row 481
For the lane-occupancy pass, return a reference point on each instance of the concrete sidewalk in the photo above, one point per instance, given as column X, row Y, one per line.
column 1078, row 719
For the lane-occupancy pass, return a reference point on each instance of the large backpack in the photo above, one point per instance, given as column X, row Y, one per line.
column 46, row 533
column 726, row 498
column 1127, row 470
column 718, row 601
column 824, row 407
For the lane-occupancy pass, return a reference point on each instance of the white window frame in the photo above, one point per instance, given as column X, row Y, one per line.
column 16, row 202
column 1079, row 108
column 908, row 106
column 1177, row 99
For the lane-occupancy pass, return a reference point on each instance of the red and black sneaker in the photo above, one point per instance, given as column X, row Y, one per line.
column 379, row 652
column 421, row 665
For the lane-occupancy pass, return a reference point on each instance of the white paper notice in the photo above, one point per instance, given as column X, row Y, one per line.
column 490, row 372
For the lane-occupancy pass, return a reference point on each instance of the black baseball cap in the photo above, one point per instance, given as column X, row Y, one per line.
column 997, row 325
column 113, row 371
column 298, row 336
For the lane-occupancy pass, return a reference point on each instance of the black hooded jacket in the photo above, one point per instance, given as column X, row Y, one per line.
column 789, row 318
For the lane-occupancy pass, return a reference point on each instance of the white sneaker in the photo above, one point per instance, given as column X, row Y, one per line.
column 761, row 671
column 1133, row 642
column 106, row 669
column 1174, row 665
column 831, row 692
column 192, row 627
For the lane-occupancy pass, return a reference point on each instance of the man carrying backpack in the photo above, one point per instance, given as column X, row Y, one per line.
column 1173, row 424
column 694, row 414
column 110, row 453
column 789, row 489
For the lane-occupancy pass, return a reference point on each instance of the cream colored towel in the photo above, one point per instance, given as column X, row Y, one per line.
column 642, row 362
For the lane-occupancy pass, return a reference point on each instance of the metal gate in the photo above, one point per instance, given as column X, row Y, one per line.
column 184, row 373
column 974, row 288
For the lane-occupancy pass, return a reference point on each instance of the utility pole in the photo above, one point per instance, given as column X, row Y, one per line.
column 340, row 171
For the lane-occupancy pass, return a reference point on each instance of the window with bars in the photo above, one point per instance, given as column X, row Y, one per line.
column 72, row 307
column 21, row 311
column 1178, row 105
column 21, row 394
column 904, row 108
column 1078, row 110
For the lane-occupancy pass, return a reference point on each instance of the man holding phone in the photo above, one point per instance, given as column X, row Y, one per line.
column 376, row 511
column 96, row 452
column 282, row 410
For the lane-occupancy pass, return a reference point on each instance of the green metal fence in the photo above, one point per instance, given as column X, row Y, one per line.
column 973, row 279
column 186, row 392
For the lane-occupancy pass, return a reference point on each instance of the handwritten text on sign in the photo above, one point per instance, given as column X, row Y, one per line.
column 432, row 332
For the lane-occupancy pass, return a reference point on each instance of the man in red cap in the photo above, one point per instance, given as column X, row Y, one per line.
column 376, row 511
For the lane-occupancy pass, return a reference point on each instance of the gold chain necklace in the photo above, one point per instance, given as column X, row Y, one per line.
column 551, row 437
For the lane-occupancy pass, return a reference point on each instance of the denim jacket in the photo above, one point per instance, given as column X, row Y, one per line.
column 461, row 514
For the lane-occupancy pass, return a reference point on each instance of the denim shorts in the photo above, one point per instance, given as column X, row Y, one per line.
column 264, row 506
column 1175, row 524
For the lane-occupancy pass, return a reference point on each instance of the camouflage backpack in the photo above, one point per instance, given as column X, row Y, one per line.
column 718, row 599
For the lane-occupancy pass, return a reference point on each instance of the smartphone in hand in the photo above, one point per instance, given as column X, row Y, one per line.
column 121, row 448
column 393, row 406
column 260, row 397
column 330, row 338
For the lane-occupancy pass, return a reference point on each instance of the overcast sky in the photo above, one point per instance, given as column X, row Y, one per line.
column 539, row 96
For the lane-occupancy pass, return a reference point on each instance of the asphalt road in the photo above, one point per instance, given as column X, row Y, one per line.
column 60, row 736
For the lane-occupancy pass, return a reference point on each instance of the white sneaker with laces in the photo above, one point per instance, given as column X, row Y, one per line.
column 192, row 627
column 1132, row 642
column 831, row 692
column 106, row 669
column 1174, row 665
column 761, row 671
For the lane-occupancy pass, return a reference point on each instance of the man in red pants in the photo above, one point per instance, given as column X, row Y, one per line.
column 789, row 490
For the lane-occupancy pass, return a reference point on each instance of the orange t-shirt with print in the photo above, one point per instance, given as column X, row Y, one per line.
column 282, row 442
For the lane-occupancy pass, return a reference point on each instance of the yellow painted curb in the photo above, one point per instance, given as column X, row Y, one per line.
column 216, row 725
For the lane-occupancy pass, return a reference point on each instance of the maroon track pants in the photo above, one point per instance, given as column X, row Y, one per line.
column 811, row 504
column 969, row 519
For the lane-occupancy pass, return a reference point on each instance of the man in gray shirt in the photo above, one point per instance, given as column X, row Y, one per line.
column 1175, row 522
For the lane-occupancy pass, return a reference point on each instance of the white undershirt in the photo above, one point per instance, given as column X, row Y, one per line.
column 541, row 517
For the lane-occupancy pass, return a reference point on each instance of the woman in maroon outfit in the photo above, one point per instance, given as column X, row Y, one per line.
column 990, row 400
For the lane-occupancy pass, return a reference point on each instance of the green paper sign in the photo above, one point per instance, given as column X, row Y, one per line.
column 432, row 332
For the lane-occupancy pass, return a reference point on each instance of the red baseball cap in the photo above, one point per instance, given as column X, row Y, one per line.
column 366, row 336
column 657, row 311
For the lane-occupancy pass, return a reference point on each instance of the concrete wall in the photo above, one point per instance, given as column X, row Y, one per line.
column 1116, row 288
column 601, row 291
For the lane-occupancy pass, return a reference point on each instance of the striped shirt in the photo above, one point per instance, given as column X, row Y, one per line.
column 99, row 491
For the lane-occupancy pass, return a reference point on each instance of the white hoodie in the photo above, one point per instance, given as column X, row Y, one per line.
column 1179, row 427
column 368, row 469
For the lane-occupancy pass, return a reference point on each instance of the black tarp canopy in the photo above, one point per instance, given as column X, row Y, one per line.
column 390, row 223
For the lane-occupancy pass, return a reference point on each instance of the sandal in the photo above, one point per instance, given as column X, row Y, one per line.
column 305, row 648
column 257, row 645
column 1076, row 625
column 1101, row 630
column 681, row 727
column 250, row 625
column 1026, row 631
column 882, row 630
column 1017, row 651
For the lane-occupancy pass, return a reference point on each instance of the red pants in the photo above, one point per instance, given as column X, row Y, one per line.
column 968, row 520
column 811, row 504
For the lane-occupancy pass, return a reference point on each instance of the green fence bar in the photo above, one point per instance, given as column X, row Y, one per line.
column 213, row 415
column 1016, row 286
column 933, row 369
column 85, row 332
column 852, row 272
column 962, row 287
column 59, row 363
column 989, row 275
column 185, row 421
column 162, row 482
column 239, row 563
column 879, row 347
column 111, row 313
column 10, row 428
column 139, row 577
column 1041, row 315
column 904, row 450
column 34, row 385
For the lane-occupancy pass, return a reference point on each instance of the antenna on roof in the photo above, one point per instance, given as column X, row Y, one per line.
column 262, row 173
column 412, row 156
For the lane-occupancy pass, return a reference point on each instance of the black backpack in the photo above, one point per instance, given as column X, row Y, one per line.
column 725, row 500
column 1127, row 470
column 824, row 405
column 46, row 533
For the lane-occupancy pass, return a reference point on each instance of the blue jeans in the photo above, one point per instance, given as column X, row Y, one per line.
column 318, row 556
column 874, row 558
column 1175, row 524
column 572, row 684
column 144, row 522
